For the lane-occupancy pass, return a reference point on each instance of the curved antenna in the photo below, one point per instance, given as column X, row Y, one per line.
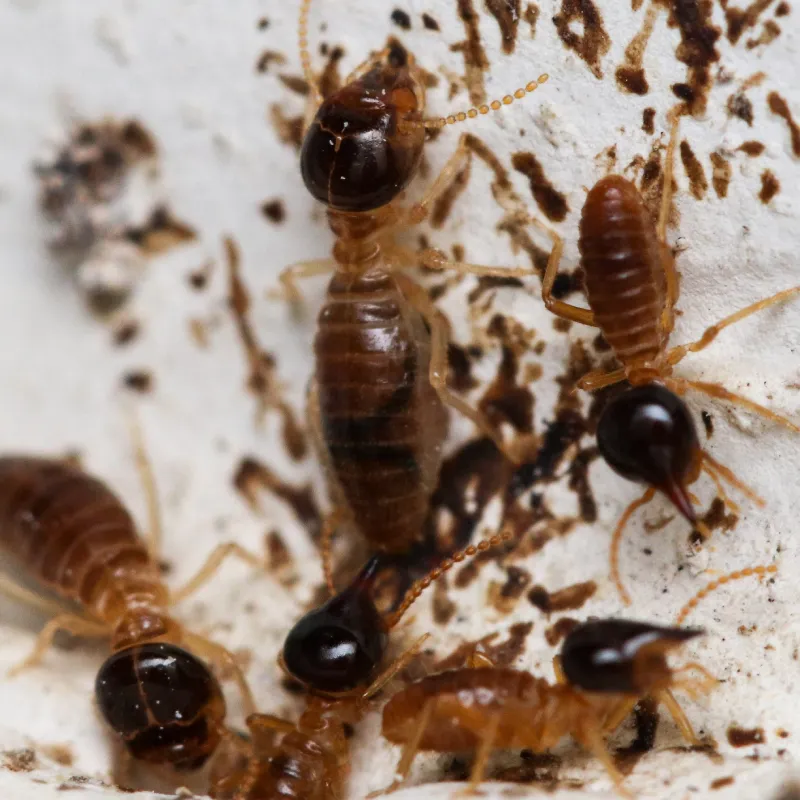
column 305, row 56
column 761, row 571
column 419, row 586
column 494, row 105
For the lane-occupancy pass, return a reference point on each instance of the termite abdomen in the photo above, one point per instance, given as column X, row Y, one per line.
column 621, row 656
column 366, row 141
column 647, row 434
column 163, row 702
column 621, row 257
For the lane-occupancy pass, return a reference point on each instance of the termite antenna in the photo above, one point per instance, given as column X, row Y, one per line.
column 305, row 57
column 419, row 586
column 495, row 105
column 761, row 571
column 147, row 476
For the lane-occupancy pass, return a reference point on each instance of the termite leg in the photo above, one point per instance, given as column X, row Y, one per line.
column 28, row 598
column 619, row 714
column 681, row 385
column 212, row 565
column 672, row 279
column 145, row 468
column 713, row 467
column 558, row 670
column 299, row 271
column 599, row 379
column 591, row 738
column 438, row 325
column 676, row 354
column 262, row 724
column 666, row 192
column 332, row 522
column 399, row 664
column 488, row 736
column 366, row 65
column 648, row 495
column 558, row 307
column 667, row 699
column 410, row 750
column 217, row 654
column 77, row 626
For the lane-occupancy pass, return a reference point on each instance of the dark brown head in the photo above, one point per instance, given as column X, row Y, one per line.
column 366, row 141
column 339, row 646
column 617, row 655
column 647, row 434
column 163, row 703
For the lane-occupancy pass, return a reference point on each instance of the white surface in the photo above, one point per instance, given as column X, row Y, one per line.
column 186, row 69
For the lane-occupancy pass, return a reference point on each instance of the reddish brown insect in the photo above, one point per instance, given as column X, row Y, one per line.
column 605, row 668
column 69, row 532
column 336, row 651
column 646, row 434
column 378, row 397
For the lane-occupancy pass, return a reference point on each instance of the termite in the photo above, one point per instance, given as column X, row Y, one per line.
column 70, row 533
column 646, row 434
column 377, row 400
column 336, row 652
column 604, row 669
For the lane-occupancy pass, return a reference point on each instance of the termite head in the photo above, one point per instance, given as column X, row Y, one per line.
column 338, row 646
column 647, row 434
column 365, row 143
column 163, row 703
column 615, row 655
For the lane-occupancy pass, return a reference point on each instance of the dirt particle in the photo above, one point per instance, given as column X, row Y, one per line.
column 770, row 186
column 274, row 210
column 60, row 753
column 720, row 174
column 262, row 24
column 777, row 105
column 505, row 400
column 198, row 278
column 460, row 377
column 559, row 630
column 739, row 20
column 739, row 105
column 783, row 10
column 429, row 22
column 507, row 15
column 744, row 737
column 593, row 43
column 648, row 118
column 475, row 61
column 570, row 598
column 752, row 148
column 443, row 607
column 126, row 331
column 138, row 380
column 401, row 19
column 22, row 760
column 551, row 202
column 531, row 16
column 630, row 75
column 698, row 185
column 721, row 783
column 269, row 57
column 504, row 597
column 708, row 423
column 770, row 31
column 288, row 129
column 161, row 232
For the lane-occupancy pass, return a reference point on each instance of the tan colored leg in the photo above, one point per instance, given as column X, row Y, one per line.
column 591, row 738
column 438, row 325
column 263, row 726
column 558, row 307
column 435, row 259
column 676, row 354
column 711, row 464
column 77, row 626
column 666, row 192
column 219, row 655
column 667, row 699
column 488, row 735
column 153, row 536
column 558, row 670
column 332, row 522
column 303, row 269
column 398, row 665
column 721, row 493
column 599, row 379
column 29, row 598
column 648, row 495
column 673, row 286
column 619, row 714
column 211, row 566
column 681, row 385
column 366, row 65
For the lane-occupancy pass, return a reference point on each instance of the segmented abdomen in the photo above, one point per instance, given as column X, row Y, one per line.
column 71, row 533
column 621, row 259
column 381, row 420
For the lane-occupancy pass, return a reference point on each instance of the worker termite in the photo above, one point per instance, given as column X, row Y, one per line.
column 604, row 669
column 646, row 434
column 335, row 652
column 377, row 402
column 69, row 532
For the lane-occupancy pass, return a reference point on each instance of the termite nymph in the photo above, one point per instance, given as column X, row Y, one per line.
column 646, row 434
column 336, row 652
column 605, row 667
column 378, row 396
column 70, row 533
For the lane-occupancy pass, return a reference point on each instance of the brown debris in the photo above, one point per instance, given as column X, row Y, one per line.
column 777, row 105
column 594, row 42
column 161, row 232
column 274, row 210
column 770, row 186
column 507, row 15
column 429, row 22
column 571, row 598
column 531, row 16
column 648, row 118
column 559, row 630
column 630, row 75
column 475, row 61
column 22, row 760
column 739, row 20
column 138, row 380
column 126, row 332
column 744, row 737
column 444, row 202
column 288, row 129
column 698, row 185
column 720, row 174
column 752, row 148
column 770, row 31
column 551, row 202
column 505, row 596
column 502, row 654
column 269, row 57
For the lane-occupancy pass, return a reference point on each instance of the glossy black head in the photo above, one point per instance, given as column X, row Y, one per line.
column 339, row 645
column 366, row 141
column 616, row 655
column 164, row 703
column 647, row 434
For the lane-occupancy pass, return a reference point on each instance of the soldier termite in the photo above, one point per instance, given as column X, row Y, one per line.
column 69, row 532
column 336, row 652
column 646, row 434
column 377, row 402
column 604, row 669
